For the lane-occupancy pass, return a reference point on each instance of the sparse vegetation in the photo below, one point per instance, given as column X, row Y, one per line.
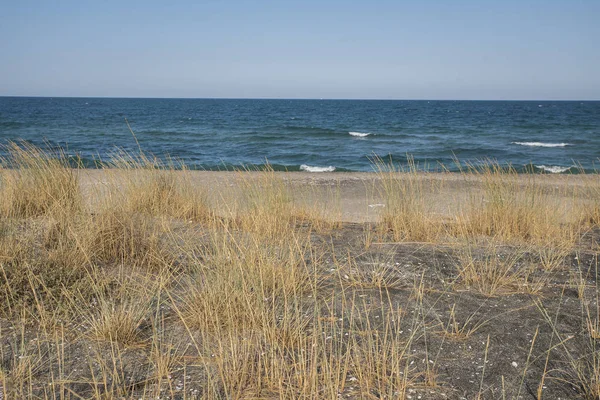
column 145, row 284
column 517, row 208
column 408, row 214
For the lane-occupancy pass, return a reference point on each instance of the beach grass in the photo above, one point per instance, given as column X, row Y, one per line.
column 145, row 283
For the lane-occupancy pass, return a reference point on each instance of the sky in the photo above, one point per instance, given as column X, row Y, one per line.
column 378, row 49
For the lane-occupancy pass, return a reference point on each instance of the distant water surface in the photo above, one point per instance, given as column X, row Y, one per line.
column 314, row 135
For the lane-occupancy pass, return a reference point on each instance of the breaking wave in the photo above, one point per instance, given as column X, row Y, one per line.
column 309, row 168
column 359, row 134
column 541, row 144
column 553, row 169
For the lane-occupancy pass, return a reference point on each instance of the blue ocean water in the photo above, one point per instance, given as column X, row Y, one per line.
column 547, row 136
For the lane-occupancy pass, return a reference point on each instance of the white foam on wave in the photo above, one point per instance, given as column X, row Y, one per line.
column 541, row 144
column 553, row 169
column 359, row 134
column 309, row 168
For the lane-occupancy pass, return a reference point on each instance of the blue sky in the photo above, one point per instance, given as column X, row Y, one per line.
column 302, row 49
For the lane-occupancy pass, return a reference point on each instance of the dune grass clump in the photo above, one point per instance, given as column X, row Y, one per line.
column 118, row 322
column 135, row 208
column 38, row 261
column 116, row 237
column 36, row 182
column 166, row 193
column 493, row 269
column 580, row 365
column 460, row 330
column 590, row 207
column 141, row 184
column 308, row 352
column 488, row 273
column 242, row 277
column 407, row 213
column 516, row 208
column 264, row 327
column 121, row 311
column 41, row 208
column 266, row 207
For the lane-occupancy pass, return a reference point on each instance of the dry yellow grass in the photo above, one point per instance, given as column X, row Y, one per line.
column 37, row 183
column 492, row 272
column 146, row 291
column 407, row 212
column 517, row 208
column 145, row 185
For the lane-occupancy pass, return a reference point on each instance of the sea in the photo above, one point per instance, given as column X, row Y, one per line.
column 312, row 135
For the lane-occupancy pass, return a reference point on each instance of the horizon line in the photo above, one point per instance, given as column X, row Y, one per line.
column 286, row 98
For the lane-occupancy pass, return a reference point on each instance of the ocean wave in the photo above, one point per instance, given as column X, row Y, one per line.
column 541, row 144
column 553, row 169
column 309, row 168
column 359, row 134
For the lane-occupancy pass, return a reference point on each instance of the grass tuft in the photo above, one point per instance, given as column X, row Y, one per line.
column 407, row 213
column 36, row 182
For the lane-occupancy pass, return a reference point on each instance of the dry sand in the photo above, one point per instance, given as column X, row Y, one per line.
column 357, row 196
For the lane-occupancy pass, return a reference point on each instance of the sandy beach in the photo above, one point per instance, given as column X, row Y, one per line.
column 138, row 282
column 359, row 196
